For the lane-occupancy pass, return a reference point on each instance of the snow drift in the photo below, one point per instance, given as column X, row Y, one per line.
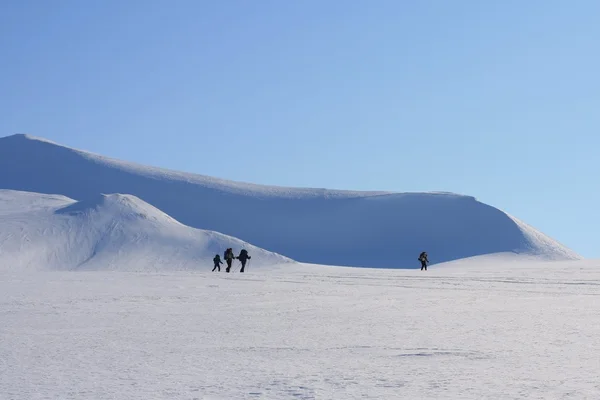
column 115, row 231
column 375, row 229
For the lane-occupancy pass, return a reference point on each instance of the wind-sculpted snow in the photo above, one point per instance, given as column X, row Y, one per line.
column 108, row 232
column 374, row 229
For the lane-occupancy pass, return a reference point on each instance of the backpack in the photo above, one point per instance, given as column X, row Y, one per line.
column 244, row 252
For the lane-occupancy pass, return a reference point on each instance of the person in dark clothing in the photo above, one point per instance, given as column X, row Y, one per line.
column 424, row 261
column 243, row 257
column 228, row 258
column 218, row 262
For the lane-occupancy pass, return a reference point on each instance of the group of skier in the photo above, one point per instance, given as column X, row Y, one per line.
column 229, row 257
column 244, row 257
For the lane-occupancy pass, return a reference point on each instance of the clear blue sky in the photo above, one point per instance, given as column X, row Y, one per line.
column 495, row 99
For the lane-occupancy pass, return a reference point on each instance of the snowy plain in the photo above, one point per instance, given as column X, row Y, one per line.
column 493, row 327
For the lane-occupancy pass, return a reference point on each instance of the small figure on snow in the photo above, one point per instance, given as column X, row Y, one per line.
column 218, row 262
column 228, row 258
column 243, row 257
column 424, row 261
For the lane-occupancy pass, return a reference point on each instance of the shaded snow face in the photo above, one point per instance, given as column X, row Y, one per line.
column 373, row 229
column 108, row 232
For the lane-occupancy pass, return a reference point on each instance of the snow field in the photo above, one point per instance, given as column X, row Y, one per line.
column 487, row 328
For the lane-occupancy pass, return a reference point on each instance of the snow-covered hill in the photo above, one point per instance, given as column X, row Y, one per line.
column 375, row 229
column 107, row 232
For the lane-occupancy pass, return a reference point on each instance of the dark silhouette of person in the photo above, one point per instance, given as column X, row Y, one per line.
column 228, row 258
column 243, row 257
column 218, row 262
column 424, row 261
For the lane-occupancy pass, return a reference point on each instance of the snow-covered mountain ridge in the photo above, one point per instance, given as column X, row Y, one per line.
column 353, row 228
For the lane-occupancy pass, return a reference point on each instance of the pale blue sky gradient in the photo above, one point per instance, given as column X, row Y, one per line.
column 499, row 100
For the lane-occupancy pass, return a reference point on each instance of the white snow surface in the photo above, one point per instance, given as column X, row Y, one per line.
column 497, row 327
column 113, row 231
column 353, row 228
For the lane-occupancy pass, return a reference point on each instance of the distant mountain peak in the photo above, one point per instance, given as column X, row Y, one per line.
column 27, row 136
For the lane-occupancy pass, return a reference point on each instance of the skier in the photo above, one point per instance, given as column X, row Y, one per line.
column 243, row 257
column 229, row 258
column 218, row 262
column 424, row 261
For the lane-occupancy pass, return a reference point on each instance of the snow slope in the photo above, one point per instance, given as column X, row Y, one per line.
column 107, row 232
column 374, row 229
column 494, row 329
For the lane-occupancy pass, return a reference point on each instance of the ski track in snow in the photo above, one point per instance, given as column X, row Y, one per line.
column 466, row 331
